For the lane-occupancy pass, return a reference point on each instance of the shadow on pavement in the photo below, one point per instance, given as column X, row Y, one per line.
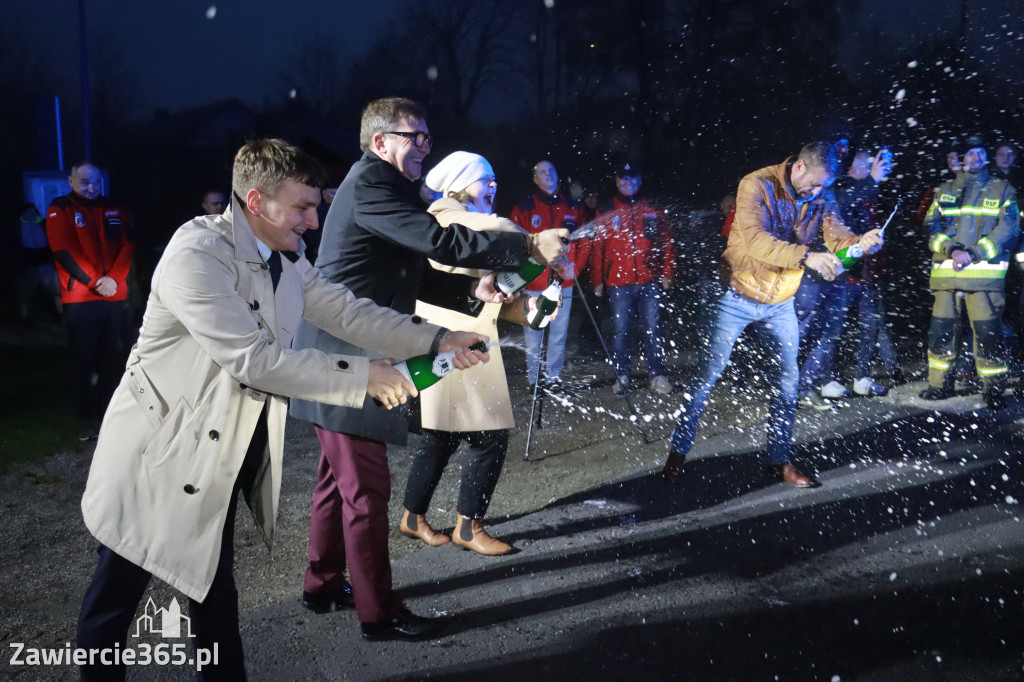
column 764, row 530
column 921, row 634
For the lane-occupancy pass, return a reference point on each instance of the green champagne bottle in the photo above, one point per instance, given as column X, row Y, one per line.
column 850, row 255
column 540, row 309
column 853, row 253
column 511, row 283
column 426, row 370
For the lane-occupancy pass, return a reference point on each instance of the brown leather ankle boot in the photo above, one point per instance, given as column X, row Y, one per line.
column 470, row 534
column 416, row 526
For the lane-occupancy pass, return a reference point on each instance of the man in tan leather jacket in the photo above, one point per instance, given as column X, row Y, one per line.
column 779, row 210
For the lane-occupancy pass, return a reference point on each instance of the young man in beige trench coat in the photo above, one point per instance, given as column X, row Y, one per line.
column 200, row 411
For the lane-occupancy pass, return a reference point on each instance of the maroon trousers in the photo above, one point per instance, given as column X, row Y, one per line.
column 349, row 524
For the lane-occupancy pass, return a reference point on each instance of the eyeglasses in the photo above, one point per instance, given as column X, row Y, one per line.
column 418, row 138
column 38, row 219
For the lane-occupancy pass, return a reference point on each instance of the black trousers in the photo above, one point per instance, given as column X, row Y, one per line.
column 118, row 585
column 96, row 339
column 480, row 471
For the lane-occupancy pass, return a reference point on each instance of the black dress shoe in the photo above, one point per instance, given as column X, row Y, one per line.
column 326, row 602
column 406, row 626
column 936, row 393
column 995, row 401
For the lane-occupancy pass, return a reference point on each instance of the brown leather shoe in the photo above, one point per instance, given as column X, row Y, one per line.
column 416, row 526
column 673, row 466
column 787, row 473
column 470, row 534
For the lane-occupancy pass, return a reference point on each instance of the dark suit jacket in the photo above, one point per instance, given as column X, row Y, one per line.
column 376, row 240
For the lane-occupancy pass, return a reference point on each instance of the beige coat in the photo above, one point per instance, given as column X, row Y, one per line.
column 214, row 349
column 475, row 399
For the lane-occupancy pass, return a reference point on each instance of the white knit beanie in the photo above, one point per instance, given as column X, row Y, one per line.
column 457, row 171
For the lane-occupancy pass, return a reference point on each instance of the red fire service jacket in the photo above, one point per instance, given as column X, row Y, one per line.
column 97, row 235
column 539, row 212
column 633, row 244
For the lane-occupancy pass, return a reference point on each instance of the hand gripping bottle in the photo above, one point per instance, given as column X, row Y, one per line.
column 426, row 370
column 853, row 253
column 850, row 255
column 511, row 283
column 541, row 309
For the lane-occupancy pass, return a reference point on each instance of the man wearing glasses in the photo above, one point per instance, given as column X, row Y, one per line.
column 376, row 240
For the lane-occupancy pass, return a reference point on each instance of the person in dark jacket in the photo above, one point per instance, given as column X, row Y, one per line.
column 376, row 240
column 822, row 306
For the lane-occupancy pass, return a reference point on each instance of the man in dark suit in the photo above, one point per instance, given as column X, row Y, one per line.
column 376, row 240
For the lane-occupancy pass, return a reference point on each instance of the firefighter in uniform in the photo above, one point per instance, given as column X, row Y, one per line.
column 973, row 225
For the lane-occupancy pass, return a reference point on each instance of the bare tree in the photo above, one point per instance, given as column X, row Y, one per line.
column 472, row 44
column 316, row 74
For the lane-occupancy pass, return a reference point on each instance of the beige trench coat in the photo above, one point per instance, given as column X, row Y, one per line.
column 475, row 399
column 214, row 349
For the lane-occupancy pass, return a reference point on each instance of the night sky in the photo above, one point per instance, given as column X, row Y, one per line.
column 177, row 57
column 180, row 58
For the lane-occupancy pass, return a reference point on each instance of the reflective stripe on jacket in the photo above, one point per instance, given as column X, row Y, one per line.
column 978, row 214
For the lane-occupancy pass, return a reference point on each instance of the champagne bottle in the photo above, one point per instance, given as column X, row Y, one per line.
column 511, row 283
column 541, row 309
column 426, row 370
column 853, row 253
column 850, row 255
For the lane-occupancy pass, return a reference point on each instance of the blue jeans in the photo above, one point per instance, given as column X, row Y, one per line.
column 776, row 326
column 823, row 307
column 558, row 330
column 623, row 300
column 873, row 331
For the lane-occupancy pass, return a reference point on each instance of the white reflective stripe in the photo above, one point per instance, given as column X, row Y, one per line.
column 1019, row 257
column 991, row 371
column 971, row 210
column 937, row 242
column 937, row 364
column 995, row 267
column 990, row 249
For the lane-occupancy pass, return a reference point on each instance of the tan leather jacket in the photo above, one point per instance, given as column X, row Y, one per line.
column 771, row 233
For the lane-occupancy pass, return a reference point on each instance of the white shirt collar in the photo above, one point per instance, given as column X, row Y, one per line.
column 264, row 250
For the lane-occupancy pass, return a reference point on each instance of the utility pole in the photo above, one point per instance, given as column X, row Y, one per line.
column 84, row 62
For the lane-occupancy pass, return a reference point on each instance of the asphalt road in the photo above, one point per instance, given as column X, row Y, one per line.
column 906, row 564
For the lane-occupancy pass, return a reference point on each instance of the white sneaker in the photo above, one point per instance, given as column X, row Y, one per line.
column 834, row 390
column 865, row 386
column 815, row 401
column 661, row 384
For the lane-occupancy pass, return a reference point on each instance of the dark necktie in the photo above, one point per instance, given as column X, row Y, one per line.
column 275, row 267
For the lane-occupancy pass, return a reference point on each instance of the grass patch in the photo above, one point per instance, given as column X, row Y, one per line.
column 35, row 412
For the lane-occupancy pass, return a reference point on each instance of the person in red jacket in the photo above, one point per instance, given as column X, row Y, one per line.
column 633, row 258
column 545, row 209
column 90, row 236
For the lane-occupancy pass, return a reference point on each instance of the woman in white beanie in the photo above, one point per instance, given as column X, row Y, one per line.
column 472, row 405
